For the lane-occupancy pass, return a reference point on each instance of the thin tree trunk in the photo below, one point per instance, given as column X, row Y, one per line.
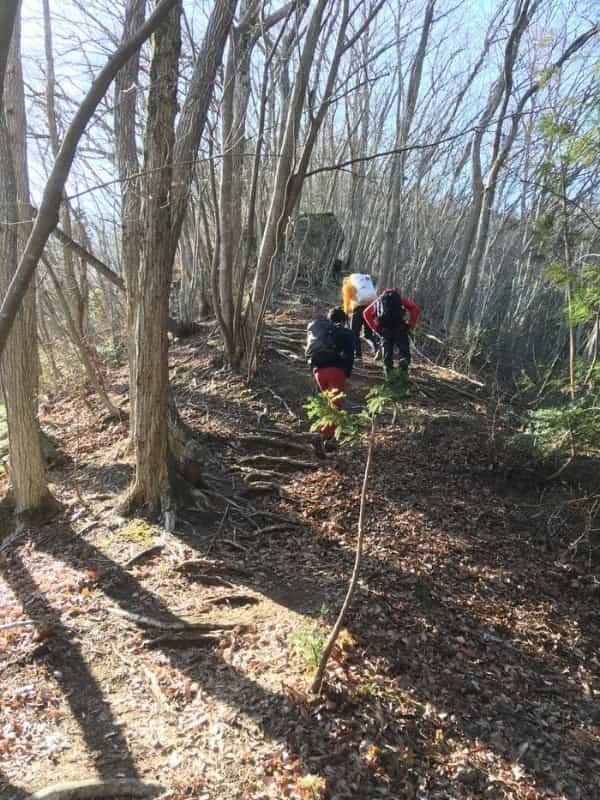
column 19, row 364
column 81, row 346
column 152, row 486
column 128, row 165
column 72, row 289
column 393, row 226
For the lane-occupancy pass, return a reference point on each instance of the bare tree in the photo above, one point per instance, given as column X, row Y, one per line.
column 167, row 176
column 19, row 365
column 47, row 217
column 392, row 225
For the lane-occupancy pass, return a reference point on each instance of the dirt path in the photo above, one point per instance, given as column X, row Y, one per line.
column 469, row 668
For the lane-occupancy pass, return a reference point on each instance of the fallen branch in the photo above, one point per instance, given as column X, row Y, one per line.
column 240, row 509
column 20, row 623
column 287, row 354
column 165, row 625
column 234, row 600
column 145, row 554
column 183, row 639
column 236, row 545
column 281, row 400
column 212, row 580
column 320, row 673
column 280, row 526
column 95, row 789
column 287, row 434
column 252, row 475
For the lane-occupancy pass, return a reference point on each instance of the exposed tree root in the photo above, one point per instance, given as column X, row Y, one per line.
column 272, row 441
column 207, row 567
column 263, row 460
column 262, row 487
column 95, row 789
column 211, row 580
column 252, row 475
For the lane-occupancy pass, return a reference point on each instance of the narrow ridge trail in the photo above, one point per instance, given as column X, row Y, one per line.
column 469, row 666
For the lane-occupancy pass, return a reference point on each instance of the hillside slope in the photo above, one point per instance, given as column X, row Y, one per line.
column 469, row 667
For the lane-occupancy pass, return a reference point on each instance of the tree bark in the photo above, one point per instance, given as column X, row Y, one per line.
column 19, row 365
column 271, row 240
column 152, row 486
column 128, row 165
column 72, row 289
column 390, row 238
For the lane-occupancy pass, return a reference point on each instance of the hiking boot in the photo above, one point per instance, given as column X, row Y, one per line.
column 319, row 445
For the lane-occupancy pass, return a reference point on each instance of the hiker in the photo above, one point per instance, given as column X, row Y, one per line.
column 358, row 291
column 330, row 353
column 387, row 316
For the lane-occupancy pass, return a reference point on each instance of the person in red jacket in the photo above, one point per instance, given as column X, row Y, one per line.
column 393, row 317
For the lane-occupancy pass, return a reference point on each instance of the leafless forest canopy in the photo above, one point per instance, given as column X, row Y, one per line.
column 430, row 144
column 455, row 142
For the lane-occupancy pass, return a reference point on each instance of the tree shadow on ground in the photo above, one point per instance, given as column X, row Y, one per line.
column 10, row 791
column 103, row 736
column 462, row 668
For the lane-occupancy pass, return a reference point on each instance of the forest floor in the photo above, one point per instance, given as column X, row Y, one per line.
column 469, row 664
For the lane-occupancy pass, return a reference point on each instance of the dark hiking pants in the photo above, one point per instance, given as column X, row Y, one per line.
column 400, row 340
column 357, row 322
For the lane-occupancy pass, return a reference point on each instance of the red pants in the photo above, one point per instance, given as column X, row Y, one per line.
column 330, row 378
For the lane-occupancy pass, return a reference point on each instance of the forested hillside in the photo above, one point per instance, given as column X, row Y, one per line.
column 184, row 186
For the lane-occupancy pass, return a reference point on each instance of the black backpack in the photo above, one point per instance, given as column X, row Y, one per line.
column 321, row 350
column 389, row 311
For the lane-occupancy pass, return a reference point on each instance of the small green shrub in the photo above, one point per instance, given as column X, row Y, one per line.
column 308, row 642
column 110, row 354
column 573, row 428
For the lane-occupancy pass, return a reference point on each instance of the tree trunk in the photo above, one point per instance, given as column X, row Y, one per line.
column 393, row 222
column 271, row 240
column 72, row 289
column 19, row 365
column 128, row 165
column 152, row 487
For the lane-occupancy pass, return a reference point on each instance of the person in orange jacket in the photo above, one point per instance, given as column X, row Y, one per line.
column 393, row 317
